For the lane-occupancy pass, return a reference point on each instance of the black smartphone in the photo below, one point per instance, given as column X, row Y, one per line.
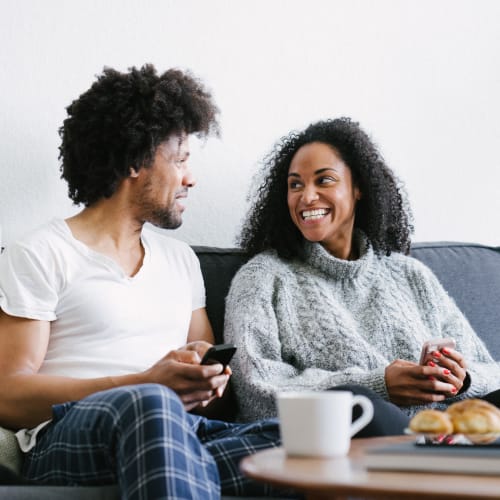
column 220, row 353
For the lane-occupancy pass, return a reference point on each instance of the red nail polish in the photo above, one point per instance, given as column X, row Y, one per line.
column 454, row 390
column 431, row 363
column 445, row 350
column 436, row 354
column 431, row 377
column 446, row 372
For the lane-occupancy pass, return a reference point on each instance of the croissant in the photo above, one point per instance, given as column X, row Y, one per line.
column 474, row 416
column 471, row 416
column 431, row 422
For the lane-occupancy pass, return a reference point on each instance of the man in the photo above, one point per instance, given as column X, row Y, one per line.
column 102, row 320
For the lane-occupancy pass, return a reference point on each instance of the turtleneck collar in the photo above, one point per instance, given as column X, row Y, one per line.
column 317, row 256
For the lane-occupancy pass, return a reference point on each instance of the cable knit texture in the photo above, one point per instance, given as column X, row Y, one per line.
column 321, row 322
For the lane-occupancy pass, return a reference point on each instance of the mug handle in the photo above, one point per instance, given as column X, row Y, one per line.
column 365, row 418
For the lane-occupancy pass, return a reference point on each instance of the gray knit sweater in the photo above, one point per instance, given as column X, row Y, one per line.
column 324, row 322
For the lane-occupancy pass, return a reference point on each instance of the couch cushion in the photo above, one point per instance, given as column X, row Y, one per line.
column 72, row 493
column 10, row 454
column 218, row 266
column 471, row 275
column 60, row 492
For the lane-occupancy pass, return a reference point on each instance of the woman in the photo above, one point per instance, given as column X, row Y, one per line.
column 330, row 297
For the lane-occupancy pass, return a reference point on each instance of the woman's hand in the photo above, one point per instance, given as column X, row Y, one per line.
column 453, row 364
column 409, row 383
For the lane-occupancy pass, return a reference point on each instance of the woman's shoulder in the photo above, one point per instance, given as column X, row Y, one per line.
column 265, row 258
column 408, row 265
column 265, row 265
column 260, row 279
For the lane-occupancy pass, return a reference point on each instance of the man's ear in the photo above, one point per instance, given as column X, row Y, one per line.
column 133, row 172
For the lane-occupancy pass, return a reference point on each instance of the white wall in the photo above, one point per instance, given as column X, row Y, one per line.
column 422, row 76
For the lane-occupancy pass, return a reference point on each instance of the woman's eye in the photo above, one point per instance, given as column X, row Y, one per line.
column 294, row 185
column 325, row 180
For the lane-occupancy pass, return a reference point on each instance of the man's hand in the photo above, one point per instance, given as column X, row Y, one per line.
column 196, row 384
column 201, row 347
column 198, row 346
column 410, row 383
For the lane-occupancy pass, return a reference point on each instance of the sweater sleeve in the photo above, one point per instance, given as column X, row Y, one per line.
column 483, row 370
column 259, row 368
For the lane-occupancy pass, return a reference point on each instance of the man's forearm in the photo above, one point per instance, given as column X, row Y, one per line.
column 26, row 400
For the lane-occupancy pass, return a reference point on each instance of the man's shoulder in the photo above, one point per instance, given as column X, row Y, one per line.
column 166, row 243
column 39, row 239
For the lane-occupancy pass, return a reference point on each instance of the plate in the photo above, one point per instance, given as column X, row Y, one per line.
column 490, row 439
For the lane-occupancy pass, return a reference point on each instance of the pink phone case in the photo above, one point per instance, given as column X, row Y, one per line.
column 434, row 345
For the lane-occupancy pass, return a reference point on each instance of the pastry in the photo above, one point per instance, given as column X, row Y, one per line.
column 431, row 422
column 474, row 416
column 471, row 404
column 470, row 417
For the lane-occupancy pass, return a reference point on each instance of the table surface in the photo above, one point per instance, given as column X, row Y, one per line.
column 338, row 477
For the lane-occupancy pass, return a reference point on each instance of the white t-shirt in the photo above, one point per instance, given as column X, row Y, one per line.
column 102, row 321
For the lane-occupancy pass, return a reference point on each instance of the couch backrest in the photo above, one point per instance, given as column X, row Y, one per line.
column 471, row 275
column 469, row 272
column 218, row 266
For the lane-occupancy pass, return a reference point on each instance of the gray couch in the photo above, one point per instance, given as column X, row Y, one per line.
column 470, row 273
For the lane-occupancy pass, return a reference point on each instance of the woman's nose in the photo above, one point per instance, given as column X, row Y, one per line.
column 309, row 195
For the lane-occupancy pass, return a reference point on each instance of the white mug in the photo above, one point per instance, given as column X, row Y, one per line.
column 320, row 423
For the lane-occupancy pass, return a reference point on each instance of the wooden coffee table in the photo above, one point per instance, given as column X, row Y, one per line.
column 337, row 478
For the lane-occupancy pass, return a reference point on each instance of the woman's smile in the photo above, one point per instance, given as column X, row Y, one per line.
column 314, row 215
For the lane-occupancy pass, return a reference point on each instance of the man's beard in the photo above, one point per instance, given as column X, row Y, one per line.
column 164, row 218
column 160, row 216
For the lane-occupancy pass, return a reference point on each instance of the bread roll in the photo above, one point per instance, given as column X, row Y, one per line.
column 470, row 417
column 474, row 416
column 431, row 422
column 471, row 404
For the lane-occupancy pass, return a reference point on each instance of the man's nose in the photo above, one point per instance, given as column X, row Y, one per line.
column 189, row 179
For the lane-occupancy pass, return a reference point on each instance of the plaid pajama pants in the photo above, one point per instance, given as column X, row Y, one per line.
column 141, row 437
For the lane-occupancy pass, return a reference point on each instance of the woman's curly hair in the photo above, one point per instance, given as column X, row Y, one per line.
column 120, row 121
column 382, row 213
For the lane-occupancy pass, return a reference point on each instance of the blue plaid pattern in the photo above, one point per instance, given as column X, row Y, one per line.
column 229, row 443
column 141, row 437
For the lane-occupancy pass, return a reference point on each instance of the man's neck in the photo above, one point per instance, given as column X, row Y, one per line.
column 108, row 229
